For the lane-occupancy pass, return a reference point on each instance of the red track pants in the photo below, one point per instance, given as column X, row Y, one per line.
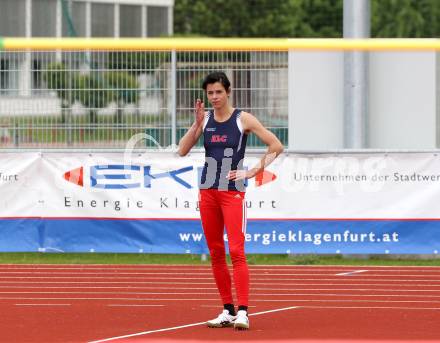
column 220, row 209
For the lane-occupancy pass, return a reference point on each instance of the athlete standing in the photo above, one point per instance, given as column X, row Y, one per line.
column 222, row 202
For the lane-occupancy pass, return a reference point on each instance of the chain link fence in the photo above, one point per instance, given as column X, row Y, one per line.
column 100, row 99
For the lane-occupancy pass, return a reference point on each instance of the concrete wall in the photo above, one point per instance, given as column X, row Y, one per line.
column 402, row 100
column 316, row 102
column 403, row 107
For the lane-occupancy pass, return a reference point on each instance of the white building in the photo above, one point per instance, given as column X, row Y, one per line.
column 21, row 82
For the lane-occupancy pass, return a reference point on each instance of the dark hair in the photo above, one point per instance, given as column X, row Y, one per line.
column 214, row 77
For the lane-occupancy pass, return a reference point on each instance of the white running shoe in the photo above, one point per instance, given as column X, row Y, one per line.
column 241, row 321
column 223, row 320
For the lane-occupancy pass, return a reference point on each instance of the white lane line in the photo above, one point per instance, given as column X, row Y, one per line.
column 164, row 267
column 253, row 280
column 388, row 274
column 407, row 286
column 122, row 265
column 276, row 310
column 147, row 332
column 134, row 305
column 387, row 290
column 171, row 274
column 253, row 289
column 386, row 281
column 128, row 293
column 120, row 287
column 42, row 304
column 216, row 299
column 278, row 294
column 372, row 307
column 113, row 282
column 194, row 267
column 182, row 326
column 352, row 272
column 340, row 282
column 114, row 273
column 117, row 299
column 104, row 277
column 216, row 306
column 337, row 266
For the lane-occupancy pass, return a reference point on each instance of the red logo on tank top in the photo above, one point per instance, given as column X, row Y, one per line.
column 219, row 138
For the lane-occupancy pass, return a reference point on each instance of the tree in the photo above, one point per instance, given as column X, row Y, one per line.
column 302, row 18
column 92, row 92
column 247, row 18
column 125, row 89
column 92, row 89
column 405, row 18
column 322, row 18
column 396, row 18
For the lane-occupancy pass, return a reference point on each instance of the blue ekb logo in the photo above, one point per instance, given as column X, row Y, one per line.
column 122, row 176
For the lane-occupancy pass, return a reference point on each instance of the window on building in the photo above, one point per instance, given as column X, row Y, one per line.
column 38, row 83
column 74, row 19
column 12, row 18
column 4, row 76
column 130, row 21
column 10, row 69
column 103, row 20
column 157, row 21
column 44, row 15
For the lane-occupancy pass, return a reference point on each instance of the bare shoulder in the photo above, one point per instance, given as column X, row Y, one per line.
column 245, row 115
column 249, row 121
column 252, row 124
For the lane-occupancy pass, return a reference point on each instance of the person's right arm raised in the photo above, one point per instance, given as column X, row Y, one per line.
column 192, row 135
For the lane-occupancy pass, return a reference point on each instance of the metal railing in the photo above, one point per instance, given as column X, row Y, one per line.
column 101, row 98
column 98, row 93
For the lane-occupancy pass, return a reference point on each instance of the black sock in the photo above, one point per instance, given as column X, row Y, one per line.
column 242, row 308
column 230, row 308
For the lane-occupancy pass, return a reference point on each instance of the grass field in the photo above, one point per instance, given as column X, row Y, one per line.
column 111, row 258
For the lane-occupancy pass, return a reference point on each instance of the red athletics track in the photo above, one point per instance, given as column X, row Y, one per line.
column 166, row 303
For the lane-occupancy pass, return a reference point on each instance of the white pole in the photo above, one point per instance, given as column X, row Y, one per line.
column 173, row 97
column 356, row 80
column 116, row 14
column 144, row 21
column 59, row 27
column 25, row 73
column 290, row 101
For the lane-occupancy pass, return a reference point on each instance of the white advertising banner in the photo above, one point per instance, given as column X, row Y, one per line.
column 347, row 203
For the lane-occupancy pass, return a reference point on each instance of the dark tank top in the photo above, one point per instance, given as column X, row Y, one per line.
column 225, row 144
